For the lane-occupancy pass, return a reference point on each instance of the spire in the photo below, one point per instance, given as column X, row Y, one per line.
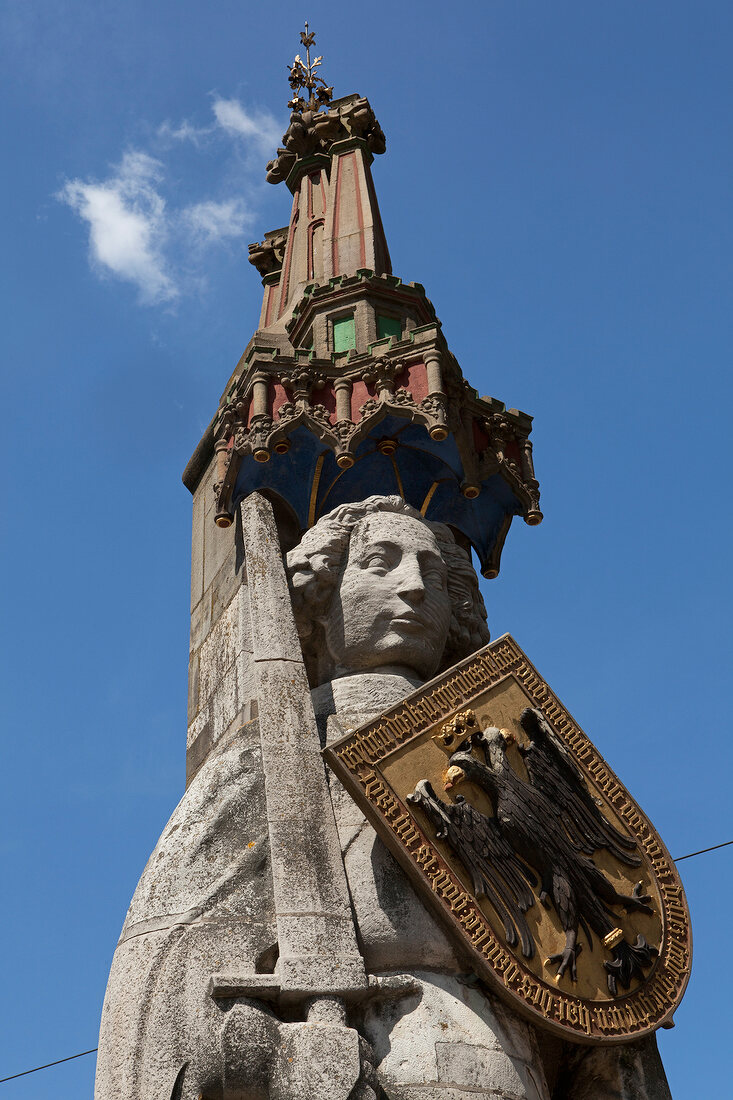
column 348, row 387
column 335, row 226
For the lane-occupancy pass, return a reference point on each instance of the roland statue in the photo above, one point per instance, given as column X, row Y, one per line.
column 383, row 600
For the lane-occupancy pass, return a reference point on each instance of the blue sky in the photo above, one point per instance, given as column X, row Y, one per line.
column 558, row 176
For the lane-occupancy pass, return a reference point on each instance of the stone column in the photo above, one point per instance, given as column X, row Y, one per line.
column 343, row 388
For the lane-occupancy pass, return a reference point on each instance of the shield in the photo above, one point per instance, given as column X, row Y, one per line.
column 557, row 890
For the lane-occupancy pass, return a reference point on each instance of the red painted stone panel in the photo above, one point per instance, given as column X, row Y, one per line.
column 513, row 452
column 271, row 292
column 276, row 397
column 414, row 379
column 361, row 393
column 327, row 398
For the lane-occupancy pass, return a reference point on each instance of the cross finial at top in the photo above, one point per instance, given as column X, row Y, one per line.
column 303, row 76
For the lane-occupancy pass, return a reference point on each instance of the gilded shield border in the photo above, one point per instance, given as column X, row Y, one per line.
column 358, row 761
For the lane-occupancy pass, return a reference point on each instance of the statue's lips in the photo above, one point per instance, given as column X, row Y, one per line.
column 409, row 621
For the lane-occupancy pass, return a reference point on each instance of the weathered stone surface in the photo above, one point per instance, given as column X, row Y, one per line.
column 200, row 622
column 367, row 693
column 197, row 543
column 222, row 686
column 448, row 1040
column 218, row 545
column 221, row 680
column 230, row 704
column 224, row 643
column 316, row 1060
column 203, row 904
column 631, row 1072
column 395, row 929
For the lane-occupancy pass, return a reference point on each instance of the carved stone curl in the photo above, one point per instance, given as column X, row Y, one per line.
column 267, row 256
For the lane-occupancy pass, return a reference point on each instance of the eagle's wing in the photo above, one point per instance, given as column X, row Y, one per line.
column 495, row 871
column 553, row 771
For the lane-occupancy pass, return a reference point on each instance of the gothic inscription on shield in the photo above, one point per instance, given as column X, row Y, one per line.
column 512, row 826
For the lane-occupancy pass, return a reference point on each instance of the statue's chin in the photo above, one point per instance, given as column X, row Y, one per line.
column 409, row 656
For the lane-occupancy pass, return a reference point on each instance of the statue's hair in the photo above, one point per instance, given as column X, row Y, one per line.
column 314, row 568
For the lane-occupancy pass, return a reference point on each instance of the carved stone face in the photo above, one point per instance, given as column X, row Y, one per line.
column 391, row 607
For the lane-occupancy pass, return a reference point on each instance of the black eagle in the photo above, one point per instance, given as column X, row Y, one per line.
column 496, row 872
column 551, row 824
column 553, row 771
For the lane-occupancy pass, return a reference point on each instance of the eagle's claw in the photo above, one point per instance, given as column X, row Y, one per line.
column 566, row 959
column 637, row 902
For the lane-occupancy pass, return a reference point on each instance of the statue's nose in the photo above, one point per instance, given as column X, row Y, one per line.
column 411, row 583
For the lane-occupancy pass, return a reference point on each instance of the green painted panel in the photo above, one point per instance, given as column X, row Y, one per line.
column 344, row 334
column 388, row 326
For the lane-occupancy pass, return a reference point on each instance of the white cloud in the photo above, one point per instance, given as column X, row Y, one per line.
column 162, row 247
column 216, row 221
column 185, row 131
column 127, row 225
column 236, row 120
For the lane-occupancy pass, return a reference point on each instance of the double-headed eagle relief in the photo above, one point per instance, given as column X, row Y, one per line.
column 538, row 839
column 516, row 831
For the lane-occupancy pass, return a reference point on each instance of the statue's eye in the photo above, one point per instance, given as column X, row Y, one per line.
column 376, row 560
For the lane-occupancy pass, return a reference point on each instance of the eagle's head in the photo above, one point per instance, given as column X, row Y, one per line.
column 462, row 765
column 495, row 742
column 454, row 776
column 422, row 794
column 426, row 799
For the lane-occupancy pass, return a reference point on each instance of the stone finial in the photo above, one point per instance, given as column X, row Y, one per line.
column 316, row 122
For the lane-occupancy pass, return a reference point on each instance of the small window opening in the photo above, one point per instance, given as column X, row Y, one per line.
column 388, row 326
column 344, row 334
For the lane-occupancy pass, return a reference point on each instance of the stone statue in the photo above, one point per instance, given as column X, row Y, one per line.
column 383, row 600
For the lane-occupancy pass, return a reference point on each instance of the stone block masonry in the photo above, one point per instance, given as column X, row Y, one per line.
column 222, row 690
